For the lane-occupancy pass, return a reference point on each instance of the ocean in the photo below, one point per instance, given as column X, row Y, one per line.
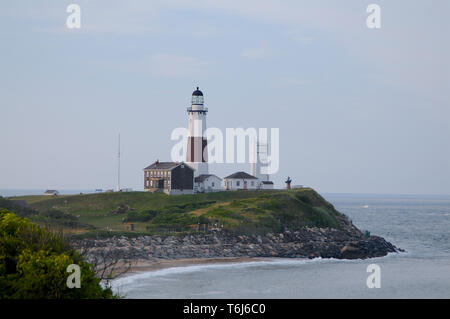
column 6, row 192
column 418, row 224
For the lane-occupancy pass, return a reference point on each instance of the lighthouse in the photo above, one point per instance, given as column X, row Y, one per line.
column 197, row 152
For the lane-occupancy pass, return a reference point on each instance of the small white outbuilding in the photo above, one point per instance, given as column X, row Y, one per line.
column 207, row 183
column 241, row 180
column 266, row 185
column 51, row 192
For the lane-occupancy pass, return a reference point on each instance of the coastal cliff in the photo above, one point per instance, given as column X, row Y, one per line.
column 289, row 224
column 347, row 243
column 307, row 243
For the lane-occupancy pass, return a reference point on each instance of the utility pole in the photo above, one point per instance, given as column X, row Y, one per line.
column 118, row 168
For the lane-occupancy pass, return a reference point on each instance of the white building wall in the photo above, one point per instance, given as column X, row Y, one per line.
column 210, row 184
column 232, row 183
column 266, row 186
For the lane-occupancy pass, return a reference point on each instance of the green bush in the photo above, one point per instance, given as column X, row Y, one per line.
column 202, row 219
column 303, row 198
column 20, row 210
column 33, row 263
column 56, row 217
column 170, row 219
column 57, row 214
column 183, row 208
column 222, row 212
column 143, row 216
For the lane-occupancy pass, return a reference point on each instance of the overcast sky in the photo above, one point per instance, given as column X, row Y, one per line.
column 359, row 110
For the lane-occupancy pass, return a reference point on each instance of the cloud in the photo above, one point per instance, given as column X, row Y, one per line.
column 256, row 53
column 408, row 51
column 172, row 65
column 289, row 81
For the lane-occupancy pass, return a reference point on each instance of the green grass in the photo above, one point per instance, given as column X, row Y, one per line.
column 237, row 211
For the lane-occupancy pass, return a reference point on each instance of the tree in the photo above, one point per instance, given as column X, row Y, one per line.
column 33, row 263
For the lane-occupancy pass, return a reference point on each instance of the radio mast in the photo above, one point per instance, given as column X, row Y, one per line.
column 118, row 168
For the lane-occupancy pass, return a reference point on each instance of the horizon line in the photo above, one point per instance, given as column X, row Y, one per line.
column 322, row 193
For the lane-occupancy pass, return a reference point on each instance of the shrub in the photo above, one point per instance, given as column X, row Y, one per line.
column 303, row 198
column 171, row 219
column 142, row 216
column 222, row 212
column 56, row 217
column 33, row 263
column 21, row 209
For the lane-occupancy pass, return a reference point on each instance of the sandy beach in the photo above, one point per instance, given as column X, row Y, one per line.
column 146, row 265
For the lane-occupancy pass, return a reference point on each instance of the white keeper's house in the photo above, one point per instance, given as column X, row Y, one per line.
column 241, row 180
column 207, row 183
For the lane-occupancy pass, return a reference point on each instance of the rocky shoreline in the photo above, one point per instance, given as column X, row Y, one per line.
column 347, row 243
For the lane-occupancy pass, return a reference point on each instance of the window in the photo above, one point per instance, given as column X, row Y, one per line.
column 252, row 183
column 238, row 183
column 212, row 184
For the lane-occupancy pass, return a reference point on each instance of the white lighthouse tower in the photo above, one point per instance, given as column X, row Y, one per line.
column 197, row 151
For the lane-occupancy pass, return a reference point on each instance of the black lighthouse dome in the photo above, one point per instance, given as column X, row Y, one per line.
column 197, row 97
column 197, row 92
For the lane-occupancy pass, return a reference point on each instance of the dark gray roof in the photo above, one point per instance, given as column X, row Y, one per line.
column 197, row 92
column 201, row 178
column 162, row 165
column 267, row 182
column 50, row 191
column 165, row 165
column 242, row 175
